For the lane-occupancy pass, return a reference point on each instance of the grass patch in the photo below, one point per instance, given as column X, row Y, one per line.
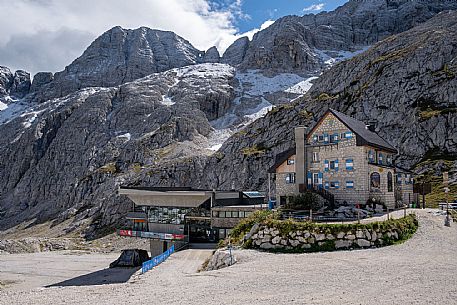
column 257, row 149
column 109, row 168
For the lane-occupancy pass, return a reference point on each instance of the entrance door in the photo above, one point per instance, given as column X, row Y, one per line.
column 316, row 180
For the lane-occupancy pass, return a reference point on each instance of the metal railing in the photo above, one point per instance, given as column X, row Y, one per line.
column 153, row 262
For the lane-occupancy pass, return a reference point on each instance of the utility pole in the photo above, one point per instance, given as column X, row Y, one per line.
column 447, row 221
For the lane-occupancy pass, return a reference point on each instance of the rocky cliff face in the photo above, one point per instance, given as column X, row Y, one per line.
column 15, row 85
column 301, row 44
column 62, row 155
column 119, row 56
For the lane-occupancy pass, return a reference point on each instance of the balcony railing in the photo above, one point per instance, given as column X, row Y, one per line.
column 320, row 191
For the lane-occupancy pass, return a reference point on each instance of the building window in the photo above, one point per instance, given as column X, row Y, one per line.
column 390, row 183
column 375, row 181
column 215, row 213
column 349, row 184
column 389, row 159
column 315, row 138
column 315, row 178
column 167, row 215
column 399, row 179
column 349, row 164
column 315, row 156
column 290, row 161
column 326, row 185
column 241, row 214
column 290, row 178
column 334, row 138
column 246, row 214
column 348, row 135
column 371, row 156
column 380, row 156
column 321, row 138
column 235, row 214
column 334, row 164
column 326, row 138
column 334, row 184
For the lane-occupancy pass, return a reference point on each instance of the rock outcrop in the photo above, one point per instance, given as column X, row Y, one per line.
column 302, row 43
column 211, row 56
column 235, row 53
column 119, row 56
column 16, row 85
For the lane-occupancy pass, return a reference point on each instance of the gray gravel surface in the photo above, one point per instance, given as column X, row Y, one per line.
column 422, row 270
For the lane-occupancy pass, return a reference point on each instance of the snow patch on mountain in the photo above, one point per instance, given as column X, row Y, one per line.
column 331, row 57
column 301, row 87
column 257, row 84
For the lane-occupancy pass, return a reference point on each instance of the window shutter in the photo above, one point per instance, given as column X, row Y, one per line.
column 310, row 177
column 319, row 177
column 349, row 164
column 336, row 165
column 327, row 185
column 335, row 137
column 326, row 165
column 326, row 138
column 380, row 158
column 348, row 135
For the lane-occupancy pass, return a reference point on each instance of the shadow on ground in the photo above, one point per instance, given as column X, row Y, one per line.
column 101, row 277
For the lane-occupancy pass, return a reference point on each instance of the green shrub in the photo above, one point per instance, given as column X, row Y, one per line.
column 245, row 225
column 304, row 201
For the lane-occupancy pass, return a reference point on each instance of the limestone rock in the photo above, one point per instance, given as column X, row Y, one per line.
column 211, row 55
column 276, row 240
column 363, row 243
column 40, row 79
column 319, row 237
column 342, row 243
column 266, row 246
column 235, row 53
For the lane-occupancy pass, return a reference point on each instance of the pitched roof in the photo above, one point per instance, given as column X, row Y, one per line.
column 360, row 128
column 281, row 158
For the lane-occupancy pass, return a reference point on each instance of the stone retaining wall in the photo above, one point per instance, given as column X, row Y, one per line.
column 289, row 236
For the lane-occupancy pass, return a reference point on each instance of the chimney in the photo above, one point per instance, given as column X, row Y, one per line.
column 300, row 159
column 371, row 125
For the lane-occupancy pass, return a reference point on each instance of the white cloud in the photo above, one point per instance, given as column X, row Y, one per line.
column 314, row 7
column 251, row 33
column 46, row 35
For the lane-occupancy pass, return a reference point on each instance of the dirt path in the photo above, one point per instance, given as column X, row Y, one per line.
column 419, row 271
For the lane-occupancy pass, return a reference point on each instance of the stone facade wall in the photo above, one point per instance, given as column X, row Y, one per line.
column 330, row 237
column 359, row 174
column 283, row 188
column 388, row 198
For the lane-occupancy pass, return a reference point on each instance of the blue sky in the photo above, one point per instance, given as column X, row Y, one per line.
column 258, row 11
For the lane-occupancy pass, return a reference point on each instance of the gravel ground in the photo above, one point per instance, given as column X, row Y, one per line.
column 422, row 270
